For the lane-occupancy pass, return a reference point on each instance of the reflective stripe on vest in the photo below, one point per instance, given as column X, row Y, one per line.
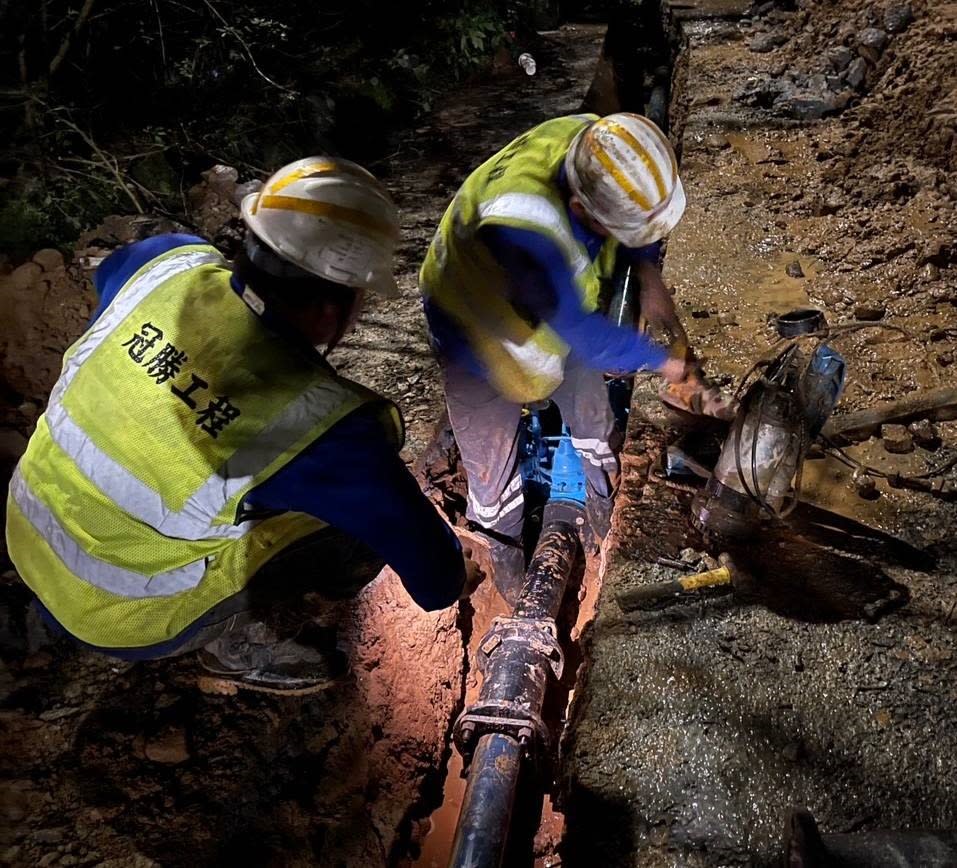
column 530, row 208
column 122, row 512
column 517, row 187
column 103, row 575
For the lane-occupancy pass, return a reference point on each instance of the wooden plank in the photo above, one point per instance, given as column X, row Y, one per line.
column 936, row 404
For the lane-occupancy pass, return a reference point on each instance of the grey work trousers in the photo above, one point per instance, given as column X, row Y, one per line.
column 486, row 428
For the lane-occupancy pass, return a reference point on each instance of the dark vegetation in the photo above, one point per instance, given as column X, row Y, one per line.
column 113, row 105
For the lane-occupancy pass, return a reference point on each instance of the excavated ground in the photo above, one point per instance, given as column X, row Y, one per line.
column 109, row 764
column 697, row 728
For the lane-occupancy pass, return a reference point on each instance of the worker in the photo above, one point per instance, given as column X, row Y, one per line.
column 511, row 292
column 198, row 453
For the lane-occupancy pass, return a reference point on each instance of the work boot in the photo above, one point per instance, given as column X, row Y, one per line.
column 508, row 570
column 253, row 657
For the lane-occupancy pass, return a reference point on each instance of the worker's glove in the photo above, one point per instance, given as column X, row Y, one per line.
column 697, row 396
column 674, row 370
column 474, row 574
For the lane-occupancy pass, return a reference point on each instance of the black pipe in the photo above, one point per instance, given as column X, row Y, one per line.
column 806, row 847
column 552, row 563
column 505, row 725
column 482, row 831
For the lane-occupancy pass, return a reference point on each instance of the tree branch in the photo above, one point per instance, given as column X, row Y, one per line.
column 57, row 61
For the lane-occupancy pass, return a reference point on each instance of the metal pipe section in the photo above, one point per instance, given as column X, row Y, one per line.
column 552, row 563
column 806, row 847
column 505, row 726
column 482, row 831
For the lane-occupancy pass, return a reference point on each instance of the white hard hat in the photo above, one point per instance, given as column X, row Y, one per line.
column 329, row 217
column 624, row 170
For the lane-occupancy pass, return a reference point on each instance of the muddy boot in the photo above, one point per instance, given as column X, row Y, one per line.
column 508, row 570
column 598, row 519
column 254, row 658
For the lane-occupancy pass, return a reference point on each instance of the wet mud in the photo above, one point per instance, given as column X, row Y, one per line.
column 826, row 680
column 104, row 763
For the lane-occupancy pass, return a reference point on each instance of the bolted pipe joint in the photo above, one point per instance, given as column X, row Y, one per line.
column 516, row 658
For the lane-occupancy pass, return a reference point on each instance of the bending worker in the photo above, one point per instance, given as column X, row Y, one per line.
column 511, row 285
column 198, row 452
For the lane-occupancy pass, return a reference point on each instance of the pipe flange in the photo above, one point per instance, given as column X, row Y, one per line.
column 502, row 718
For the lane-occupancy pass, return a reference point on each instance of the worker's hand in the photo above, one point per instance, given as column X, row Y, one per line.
column 474, row 574
column 674, row 370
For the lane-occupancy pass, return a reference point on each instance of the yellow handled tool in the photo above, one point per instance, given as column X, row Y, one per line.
column 658, row 594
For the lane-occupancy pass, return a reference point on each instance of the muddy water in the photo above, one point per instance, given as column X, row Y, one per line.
column 697, row 728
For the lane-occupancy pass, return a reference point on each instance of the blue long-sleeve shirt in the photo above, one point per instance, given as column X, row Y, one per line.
column 350, row 478
column 543, row 284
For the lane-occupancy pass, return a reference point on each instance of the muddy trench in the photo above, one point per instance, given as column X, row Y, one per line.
column 684, row 737
column 828, row 684
column 107, row 763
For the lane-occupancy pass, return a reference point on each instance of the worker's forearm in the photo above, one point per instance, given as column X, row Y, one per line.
column 656, row 303
column 545, row 284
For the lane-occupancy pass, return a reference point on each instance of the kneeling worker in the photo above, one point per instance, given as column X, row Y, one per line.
column 196, row 432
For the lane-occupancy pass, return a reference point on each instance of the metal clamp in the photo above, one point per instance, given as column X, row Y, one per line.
column 539, row 636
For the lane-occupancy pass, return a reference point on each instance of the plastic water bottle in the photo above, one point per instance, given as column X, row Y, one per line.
column 527, row 62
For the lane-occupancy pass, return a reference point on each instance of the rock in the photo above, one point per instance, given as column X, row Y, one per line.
column 839, row 57
column 727, row 319
column 792, row 751
column 243, row 190
column 855, row 73
column 717, row 142
column 937, row 252
column 765, row 42
column 794, row 269
column 689, row 556
column 897, row 16
column 945, row 359
column 169, row 747
column 805, row 106
column 930, row 272
column 48, row 836
column 870, row 43
column 700, row 314
column 834, row 82
column 30, row 411
column 831, row 204
column 869, row 313
column 221, row 178
column 866, row 488
column 48, row 259
column 24, row 276
column 897, row 439
column 925, row 434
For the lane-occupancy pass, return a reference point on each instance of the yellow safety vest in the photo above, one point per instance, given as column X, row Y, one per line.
column 124, row 515
column 517, row 187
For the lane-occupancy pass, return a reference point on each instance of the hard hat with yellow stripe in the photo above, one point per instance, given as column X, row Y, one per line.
column 624, row 170
column 331, row 218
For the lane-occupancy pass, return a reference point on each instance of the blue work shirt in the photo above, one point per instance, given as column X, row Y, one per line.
column 543, row 284
column 350, row 478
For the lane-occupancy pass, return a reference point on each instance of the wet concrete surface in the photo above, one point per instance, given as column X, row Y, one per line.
column 696, row 728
